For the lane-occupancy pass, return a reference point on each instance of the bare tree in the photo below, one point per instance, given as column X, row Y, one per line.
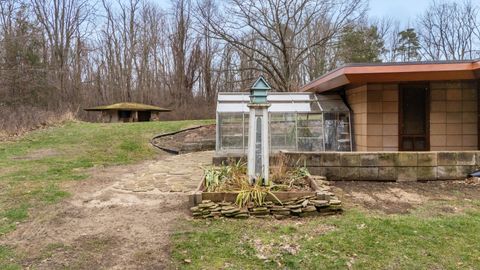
column 63, row 23
column 449, row 30
column 276, row 29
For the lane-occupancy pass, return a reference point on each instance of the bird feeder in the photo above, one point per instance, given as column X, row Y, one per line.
column 258, row 138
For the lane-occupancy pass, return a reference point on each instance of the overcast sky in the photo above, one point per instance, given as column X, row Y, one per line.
column 404, row 11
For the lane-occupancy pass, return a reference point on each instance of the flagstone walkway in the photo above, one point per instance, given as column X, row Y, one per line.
column 179, row 173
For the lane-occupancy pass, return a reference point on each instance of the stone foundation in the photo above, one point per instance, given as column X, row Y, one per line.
column 388, row 166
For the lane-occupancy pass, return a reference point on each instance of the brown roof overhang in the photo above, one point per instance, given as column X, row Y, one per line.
column 359, row 74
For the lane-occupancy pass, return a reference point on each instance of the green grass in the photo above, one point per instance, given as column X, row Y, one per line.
column 355, row 240
column 5, row 263
column 33, row 168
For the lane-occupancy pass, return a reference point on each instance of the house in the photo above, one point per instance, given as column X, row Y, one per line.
column 128, row 112
column 384, row 122
column 422, row 106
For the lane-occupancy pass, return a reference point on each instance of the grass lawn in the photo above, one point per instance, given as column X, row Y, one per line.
column 33, row 167
column 354, row 240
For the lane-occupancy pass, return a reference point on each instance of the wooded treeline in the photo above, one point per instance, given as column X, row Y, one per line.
column 60, row 56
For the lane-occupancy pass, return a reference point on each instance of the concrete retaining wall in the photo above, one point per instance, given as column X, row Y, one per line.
column 388, row 166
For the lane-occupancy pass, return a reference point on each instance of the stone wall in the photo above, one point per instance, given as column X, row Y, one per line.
column 453, row 116
column 375, row 116
column 388, row 166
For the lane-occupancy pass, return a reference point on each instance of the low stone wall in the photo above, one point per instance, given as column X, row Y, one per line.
column 388, row 166
column 306, row 206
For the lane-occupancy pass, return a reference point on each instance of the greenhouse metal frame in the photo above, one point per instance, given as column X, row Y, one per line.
column 305, row 122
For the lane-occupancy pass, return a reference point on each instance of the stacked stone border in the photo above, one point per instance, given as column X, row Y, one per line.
column 318, row 201
column 315, row 205
column 388, row 166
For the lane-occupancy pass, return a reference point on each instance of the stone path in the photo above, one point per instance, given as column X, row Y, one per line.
column 180, row 173
column 127, row 213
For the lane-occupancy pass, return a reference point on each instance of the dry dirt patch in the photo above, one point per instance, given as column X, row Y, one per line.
column 120, row 218
column 402, row 197
column 38, row 154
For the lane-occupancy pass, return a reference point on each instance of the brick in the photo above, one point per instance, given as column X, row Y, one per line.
column 446, row 158
column 368, row 160
column 387, row 174
column 373, row 107
column 405, row 174
column 390, row 130
column 438, row 129
column 454, row 129
column 439, row 117
column 469, row 84
column 390, row 107
column 465, row 158
column 438, row 106
column 453, row 118
column 470, row 141
column 426, row 173
column 469, row 106
column 454, row 140
column 438, row 85
column 350, row 159
column 390, row 95
column 390, row 86
column 387, row 159
column 374, row 95
column 454, row 93
column 367, row 173
column 469, row 117
column 374, row 141
column 390, row 141
column 390, row 118
column 454, row 106
column 426, row 159
column 453, row 172
column 374, row 129
column 407, row 159
column 469, row 94
column 375, row 86
column 438, row 95
column 374, row 118
column 469, row 129
column 438, row 140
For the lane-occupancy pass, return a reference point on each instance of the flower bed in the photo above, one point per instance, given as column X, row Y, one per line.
column 225, row 192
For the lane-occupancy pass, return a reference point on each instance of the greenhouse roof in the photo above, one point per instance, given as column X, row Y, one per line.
column 283, row 102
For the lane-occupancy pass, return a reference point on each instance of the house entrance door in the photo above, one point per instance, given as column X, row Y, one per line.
column 414, row 118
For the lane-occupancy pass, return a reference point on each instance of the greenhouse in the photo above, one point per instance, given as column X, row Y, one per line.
column 297, row 122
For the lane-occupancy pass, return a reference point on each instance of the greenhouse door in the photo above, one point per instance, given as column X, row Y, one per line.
column 413, row 118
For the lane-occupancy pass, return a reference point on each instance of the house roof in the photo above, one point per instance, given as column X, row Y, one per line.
column 359, row 74
column 128, row 106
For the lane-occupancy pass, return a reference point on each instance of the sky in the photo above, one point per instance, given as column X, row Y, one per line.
column 405, row 11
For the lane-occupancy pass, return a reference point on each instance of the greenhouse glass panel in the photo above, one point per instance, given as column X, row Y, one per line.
column 297, row 122
column 282, row 132
column 231, row 132
column 310, row 132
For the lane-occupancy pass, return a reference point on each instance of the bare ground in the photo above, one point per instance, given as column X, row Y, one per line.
column 121, row 218
column 404, row 197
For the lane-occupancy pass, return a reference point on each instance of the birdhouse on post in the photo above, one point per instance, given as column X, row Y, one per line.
column 258, row 142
